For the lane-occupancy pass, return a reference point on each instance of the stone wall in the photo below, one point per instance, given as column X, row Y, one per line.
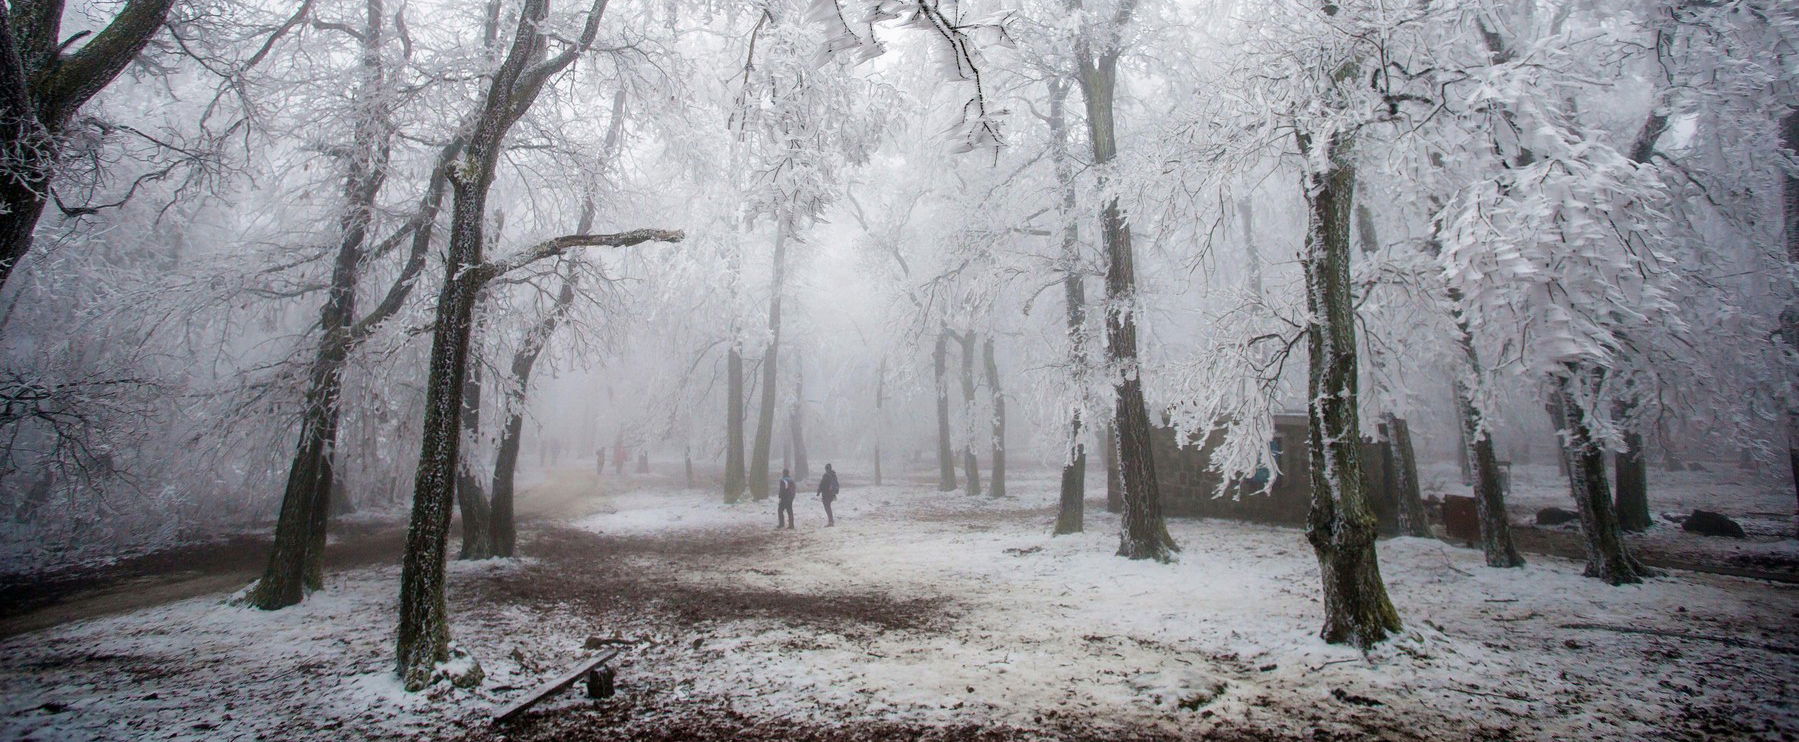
column 1190, row 488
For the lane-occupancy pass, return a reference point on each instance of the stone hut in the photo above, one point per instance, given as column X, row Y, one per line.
column 1190, row 488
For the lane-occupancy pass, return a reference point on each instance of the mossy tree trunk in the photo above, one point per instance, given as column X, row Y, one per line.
column 1071, row 507
column 1608, row 558
column 1341, row 526
column 1145, row 534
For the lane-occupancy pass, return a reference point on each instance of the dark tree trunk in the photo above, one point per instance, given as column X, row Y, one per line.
column 1632, row 472
column 504, row 528
column 796, row 424
column 734, row 425
column 1607, row 556
column 996, row 480
column 1412, row 520
column 1071, row 508
column 422, row 641
column 1489, row 496
column 296, row 560
column 971, row 466
column 1145, row 535
column 946, row 468
column 1341, row 527
column 41, row 88
column 765, row 417
column 471, row 497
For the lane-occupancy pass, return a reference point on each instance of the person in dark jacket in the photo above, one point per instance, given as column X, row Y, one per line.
column 786, row 490
column 827, row 492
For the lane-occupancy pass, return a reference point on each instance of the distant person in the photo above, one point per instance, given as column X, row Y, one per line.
column 618, row 457
column 787, row 490
column 599, row 456
column 827, row 492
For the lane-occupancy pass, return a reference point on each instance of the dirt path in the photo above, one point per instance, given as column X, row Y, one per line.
column 191, row 571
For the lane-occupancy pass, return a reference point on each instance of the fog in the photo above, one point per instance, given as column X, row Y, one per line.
column 356, row 298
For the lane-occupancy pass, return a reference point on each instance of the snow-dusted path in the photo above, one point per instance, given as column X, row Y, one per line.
column 935, row 614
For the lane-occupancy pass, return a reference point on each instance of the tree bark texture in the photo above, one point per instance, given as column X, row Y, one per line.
column 1412, row 520
column 296, row 559
column 1145, row 534
column 1071, row 509
column 1341, row 527
column 1489, row 497
column 422, row 642
column 1632, row 472
column 1608, row 558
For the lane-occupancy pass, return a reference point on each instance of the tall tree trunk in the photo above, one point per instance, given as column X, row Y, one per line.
column 971, row 466
column 1607, row 556
column 880, row 415
column 796, row 425
column 734, row 424
column 996, row 480
column 1489, row 496
column 504, row 533
column 1632, row 472
column 1145, row 535
column 422, row 642
column 946, row 468
column 765, row 417
column 1071, row 507
column 296, row 560
column 1341, row 527
column 1412, row 520
column 471, row 497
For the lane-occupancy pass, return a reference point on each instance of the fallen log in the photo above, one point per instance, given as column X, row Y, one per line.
column 599, row 679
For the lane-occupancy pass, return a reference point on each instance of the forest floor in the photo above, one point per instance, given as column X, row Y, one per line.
column 927, row 615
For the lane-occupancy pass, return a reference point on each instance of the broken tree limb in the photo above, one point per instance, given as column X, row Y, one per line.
column 1725, row 640
column 558, row 245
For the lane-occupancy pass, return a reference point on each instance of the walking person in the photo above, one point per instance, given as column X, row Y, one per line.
column 787, row 490
column 827, row 492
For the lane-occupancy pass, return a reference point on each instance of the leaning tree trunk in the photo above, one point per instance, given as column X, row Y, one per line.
column 422, row 642
column 1341, row 528
column 296, row 560
column 1145, row 535
column 1608, row 558
column 946, row 467
column 1071, row 508
column 734, row 424
column 971, row 467
column 1483, row 466
column 996, row 480
column 765, row 417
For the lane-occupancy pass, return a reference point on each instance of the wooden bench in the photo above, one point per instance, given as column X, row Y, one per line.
column 599, row 685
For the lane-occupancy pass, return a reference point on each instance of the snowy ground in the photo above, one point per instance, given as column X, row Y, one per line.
column 935, row 615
